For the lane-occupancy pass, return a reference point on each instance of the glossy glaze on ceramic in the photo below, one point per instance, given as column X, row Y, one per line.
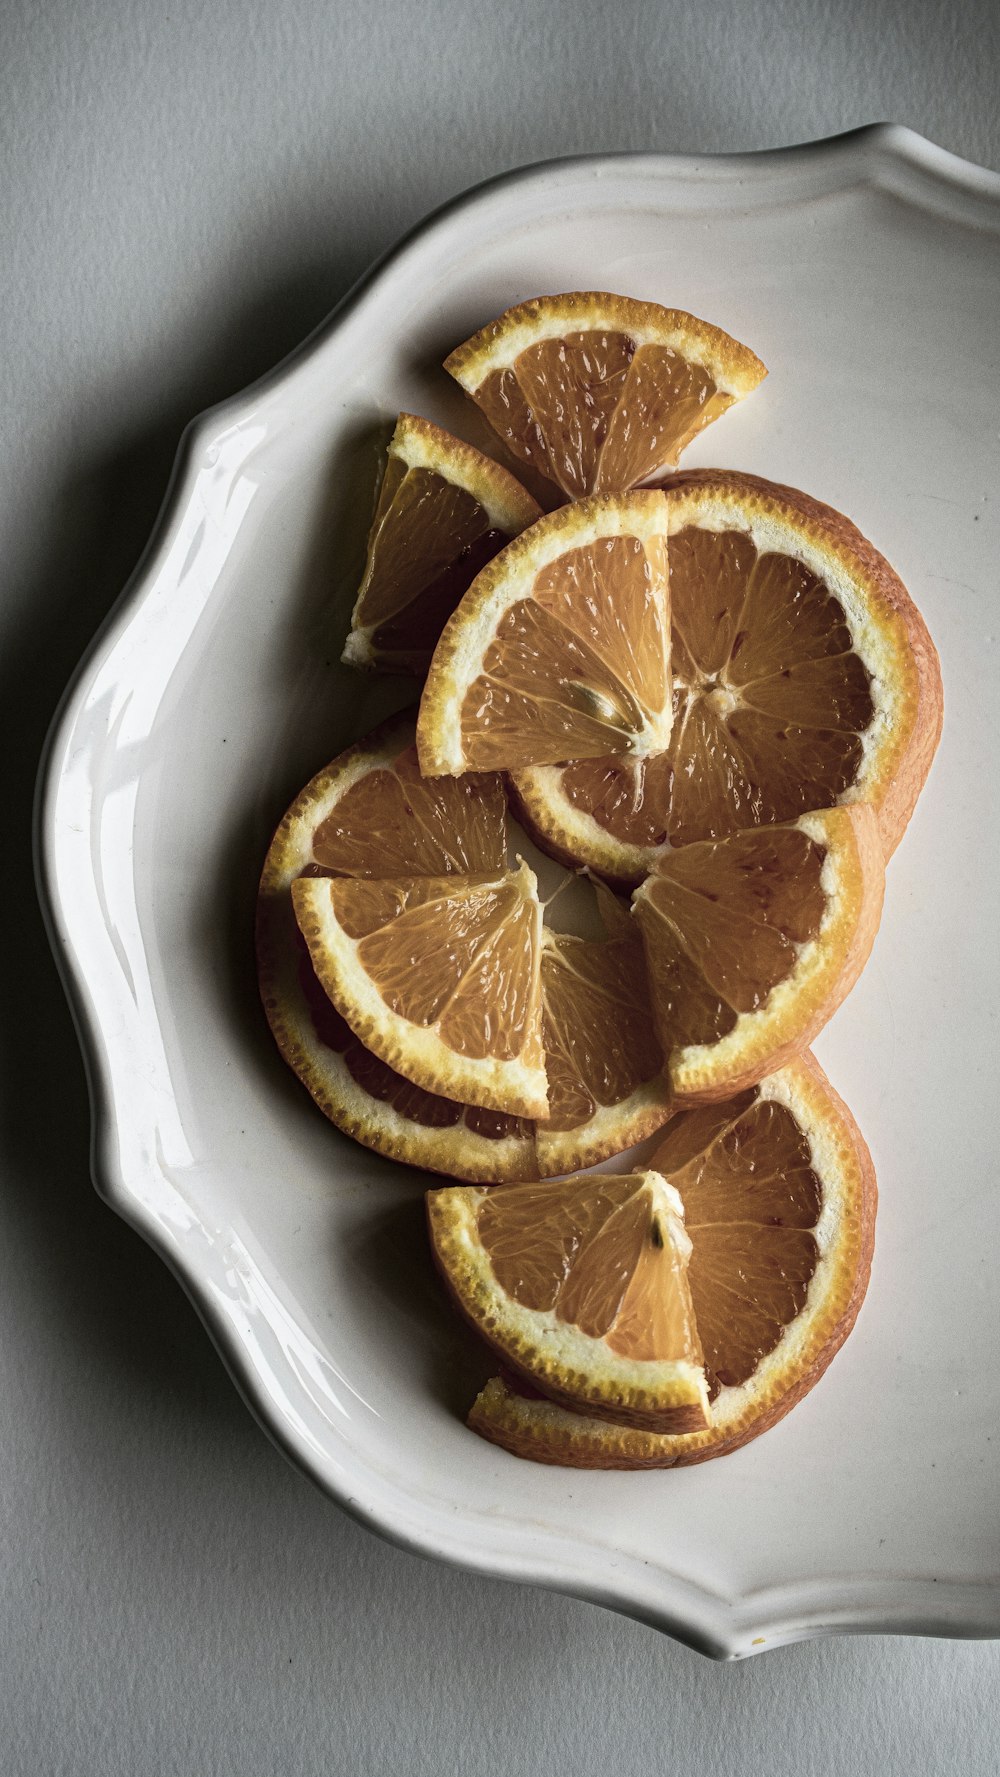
column 864, row 272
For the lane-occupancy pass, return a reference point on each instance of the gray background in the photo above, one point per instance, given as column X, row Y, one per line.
column 187, row 189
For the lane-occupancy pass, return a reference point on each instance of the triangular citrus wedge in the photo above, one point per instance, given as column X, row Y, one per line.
column 438, row 977
column 753, row 941
column 804, row 676
column 444, row 510
column 582, row 1287
column 604, row 1065
column 780, row 1198
column 598, row 393
column 560, row 647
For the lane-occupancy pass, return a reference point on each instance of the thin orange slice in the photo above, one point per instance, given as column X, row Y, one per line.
column 444, row 509
column 598, row 393
column 780, row 1197
column 439, row 976
column 581, row 1286
column 560, row 647
column 804, row 676
column 753, row 941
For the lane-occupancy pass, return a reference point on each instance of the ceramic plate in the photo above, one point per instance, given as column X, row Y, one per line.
column 864, row 271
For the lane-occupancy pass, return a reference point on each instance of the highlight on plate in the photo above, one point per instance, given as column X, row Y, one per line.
column 564, row 931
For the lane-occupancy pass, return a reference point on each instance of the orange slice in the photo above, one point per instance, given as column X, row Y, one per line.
column 369, row 811
column 560, row 647
column 439, row 976
column 582, row 1287
column 804, row 676
column 780, row 1197
column 443, row 511
column 597, row 392
column 753, row 941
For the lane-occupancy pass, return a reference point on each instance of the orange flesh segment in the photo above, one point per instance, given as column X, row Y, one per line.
column 595, row 1252
column 573, row 670
column 595, row 414
column 395, row 822
column 770, row 705
column 752, row 1201
column 478, row 983
column 722, row 922
column 596, row 1025
column 428, row 541
column 381, row 1082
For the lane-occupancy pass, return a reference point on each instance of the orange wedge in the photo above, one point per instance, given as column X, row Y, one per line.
column 560, row 647
column 443, row 511
column 439, row 976
column 753, row 941
column 598, row 393
column 780, row 1197
column 804, row 676
column 582, row 1287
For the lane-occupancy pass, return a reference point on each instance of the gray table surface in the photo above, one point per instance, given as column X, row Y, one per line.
column 186, row 191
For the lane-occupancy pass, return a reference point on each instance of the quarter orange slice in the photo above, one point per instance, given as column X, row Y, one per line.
column 582, row 1287
column 780, row 1196
column 560, row 647
column 444, row 509
column 598, row 393
column 803, row 673
column 753, row 941
column 439, row 976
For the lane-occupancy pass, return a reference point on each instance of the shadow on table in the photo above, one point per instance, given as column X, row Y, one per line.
column 95, row 1275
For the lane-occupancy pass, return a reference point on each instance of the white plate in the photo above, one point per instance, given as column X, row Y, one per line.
column 865, row 272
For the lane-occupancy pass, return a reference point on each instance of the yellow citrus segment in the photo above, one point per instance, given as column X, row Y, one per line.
column 597, row 392
column 753, row 941
column 780, row 1199
column 803, row 677
column 439, row 977
column 560, row 648
column 582, row 1286
column 443, row 512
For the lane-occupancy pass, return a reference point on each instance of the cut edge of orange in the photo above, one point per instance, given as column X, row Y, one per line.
column 505, row 581
column 515, row 1086
column 539, row 1430
column 827, row 966
column 568, row 1362
column 734, row 368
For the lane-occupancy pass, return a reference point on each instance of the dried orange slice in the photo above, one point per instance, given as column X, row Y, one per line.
column 780, row 1196
column 439, row 976
column 804, row 676
column 753, row 941
column 443, row 511
column 369, row 811
column 581, row 1285
column 560, row 647
column 598, row 393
